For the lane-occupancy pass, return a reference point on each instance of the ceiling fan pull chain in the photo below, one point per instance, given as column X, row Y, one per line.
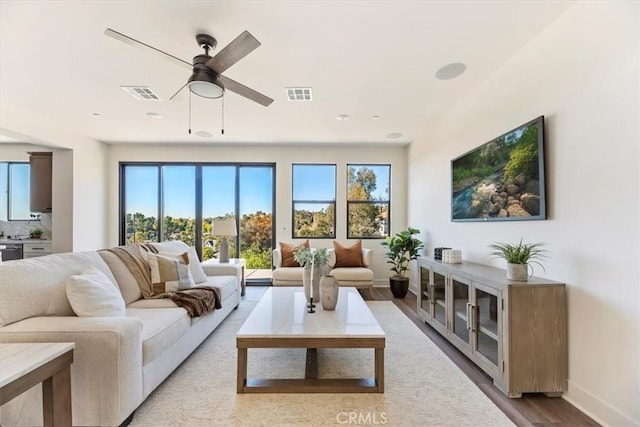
column 189, row 112
column 223, row 114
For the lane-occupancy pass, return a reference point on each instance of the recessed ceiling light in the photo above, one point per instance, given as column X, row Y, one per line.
column 375, row 117
column 394, row 135
column 204, row 134
column 343, row 117
column 450, row 71
column 154, row 115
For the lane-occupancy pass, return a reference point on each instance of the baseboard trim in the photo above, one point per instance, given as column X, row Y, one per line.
column 599, row 410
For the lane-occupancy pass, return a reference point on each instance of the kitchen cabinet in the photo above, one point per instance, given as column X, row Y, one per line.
column 32, row 249
column 40, row 168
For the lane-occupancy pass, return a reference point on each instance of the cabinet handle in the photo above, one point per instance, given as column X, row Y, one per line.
column 432, row 294
column 468, row 316
column 474, row 325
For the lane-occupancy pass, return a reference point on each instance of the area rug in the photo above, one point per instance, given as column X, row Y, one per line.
column 422, row 386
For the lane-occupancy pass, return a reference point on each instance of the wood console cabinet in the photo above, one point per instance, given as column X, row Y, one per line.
column 515, row 331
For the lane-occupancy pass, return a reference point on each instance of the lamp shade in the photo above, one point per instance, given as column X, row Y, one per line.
column 224, row 227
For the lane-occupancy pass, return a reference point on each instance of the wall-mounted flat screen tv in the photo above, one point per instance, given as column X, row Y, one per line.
column 503, row 179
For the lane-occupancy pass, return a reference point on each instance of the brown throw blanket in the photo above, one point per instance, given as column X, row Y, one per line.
column 197, row 301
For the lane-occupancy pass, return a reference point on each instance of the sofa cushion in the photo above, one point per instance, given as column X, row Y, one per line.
column 288, row 251
column 169, row 274
column 160, row 329
column 125, row 280
column 153, row 303
column 353, row 274
column 93, row 294
column 37, row 286
column 348, row 256
column 288, row 274
column 223, row 285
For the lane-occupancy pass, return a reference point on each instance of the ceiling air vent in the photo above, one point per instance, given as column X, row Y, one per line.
column 298, row 93
column 141, row 93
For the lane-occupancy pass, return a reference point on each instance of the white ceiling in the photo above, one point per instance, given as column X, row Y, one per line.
column 362, row 58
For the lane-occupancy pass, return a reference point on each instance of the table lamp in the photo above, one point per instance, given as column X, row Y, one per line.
column 224, row 228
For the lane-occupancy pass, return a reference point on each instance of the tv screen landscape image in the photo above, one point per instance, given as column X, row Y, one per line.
column 503, row 179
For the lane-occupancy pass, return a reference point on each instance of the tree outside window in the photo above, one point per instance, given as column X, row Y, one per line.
column 314, row 201
column 368, row 201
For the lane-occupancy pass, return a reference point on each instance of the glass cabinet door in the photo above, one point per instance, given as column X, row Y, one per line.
column 486, row 321
column 439, row 298
column 425, row 297
column 461, row 308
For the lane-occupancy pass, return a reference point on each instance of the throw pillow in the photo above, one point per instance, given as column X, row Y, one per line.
column 350, row 256
column 169, row 274
column 288, row 250
column 195, row 266
column 92, row 293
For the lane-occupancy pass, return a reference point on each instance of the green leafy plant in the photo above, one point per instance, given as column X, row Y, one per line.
column 304, row 256
column 522, row 253
column 401, row 249
column 37, row 232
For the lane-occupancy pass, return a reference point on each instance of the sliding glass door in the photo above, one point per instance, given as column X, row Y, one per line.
column 165, row 201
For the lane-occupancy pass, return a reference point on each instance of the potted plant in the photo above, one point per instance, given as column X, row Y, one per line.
column 36, row 233
column 401, row 249
column 315, row 263
column 519, row 258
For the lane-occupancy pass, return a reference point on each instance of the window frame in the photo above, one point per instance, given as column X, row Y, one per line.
column 326, row 202
column 368, row 202
column 122, row 231
column 9, row 198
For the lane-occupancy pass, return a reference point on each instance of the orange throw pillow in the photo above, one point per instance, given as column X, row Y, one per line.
column 348, row 256
column 288, row 250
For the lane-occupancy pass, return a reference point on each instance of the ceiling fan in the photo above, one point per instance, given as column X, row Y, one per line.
column 207, row 79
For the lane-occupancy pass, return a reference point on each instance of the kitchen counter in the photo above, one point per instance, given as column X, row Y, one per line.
column 5, row 241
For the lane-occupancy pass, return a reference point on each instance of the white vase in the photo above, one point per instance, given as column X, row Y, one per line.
column 329, row 292
column 517, row 272
column 306, row 282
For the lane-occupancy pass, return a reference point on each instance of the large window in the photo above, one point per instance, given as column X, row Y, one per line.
column 172, row 201
column 14, row 192
column 314, row 201
column 368, row 201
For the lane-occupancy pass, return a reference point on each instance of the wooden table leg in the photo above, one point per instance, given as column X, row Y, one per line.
column 379, row 362
column 242, row 369
column 311, row 368
column 56, row 399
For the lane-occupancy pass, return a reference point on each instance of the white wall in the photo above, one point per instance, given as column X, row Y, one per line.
column 582, row 73
column 283, row 156
column 79, row 178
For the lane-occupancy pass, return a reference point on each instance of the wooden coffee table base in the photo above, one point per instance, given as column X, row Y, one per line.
column 311, row 383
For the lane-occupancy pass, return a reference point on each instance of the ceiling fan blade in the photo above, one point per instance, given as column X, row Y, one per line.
column 135, row 43
column 242, row 90
column 179, row 90
column 244, row 44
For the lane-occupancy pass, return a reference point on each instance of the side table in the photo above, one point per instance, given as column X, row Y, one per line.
column 24, row 365
column 234, row 266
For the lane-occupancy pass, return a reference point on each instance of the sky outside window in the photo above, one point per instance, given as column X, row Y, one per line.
column 314, row 182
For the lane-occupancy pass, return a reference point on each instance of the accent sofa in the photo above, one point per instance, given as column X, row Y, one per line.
column 118, row 361
column 358, row 277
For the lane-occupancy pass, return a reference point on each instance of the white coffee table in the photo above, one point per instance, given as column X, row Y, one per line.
column 280, row 320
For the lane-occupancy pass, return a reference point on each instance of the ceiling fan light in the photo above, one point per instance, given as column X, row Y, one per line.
column 206, row 89
column 205, row 84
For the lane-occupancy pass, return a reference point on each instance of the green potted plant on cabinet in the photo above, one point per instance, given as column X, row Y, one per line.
column 519, row 258
column 401, row 249
column 36, row 233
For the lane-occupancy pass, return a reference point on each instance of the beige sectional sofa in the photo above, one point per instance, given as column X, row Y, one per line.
column 118, row 361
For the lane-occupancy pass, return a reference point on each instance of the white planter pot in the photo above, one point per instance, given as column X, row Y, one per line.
column 329, row 292
column 518, row 272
